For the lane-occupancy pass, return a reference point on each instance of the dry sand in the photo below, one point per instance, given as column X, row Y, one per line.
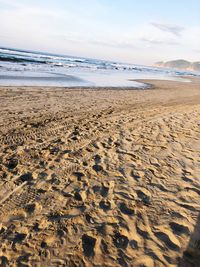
column 100, row 177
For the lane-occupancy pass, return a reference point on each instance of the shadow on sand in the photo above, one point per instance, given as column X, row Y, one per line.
column 191, row 256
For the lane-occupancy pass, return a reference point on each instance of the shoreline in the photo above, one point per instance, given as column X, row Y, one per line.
column 100, row 176
column 147, row 84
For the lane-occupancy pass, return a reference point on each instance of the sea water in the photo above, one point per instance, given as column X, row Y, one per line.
column 29, row 68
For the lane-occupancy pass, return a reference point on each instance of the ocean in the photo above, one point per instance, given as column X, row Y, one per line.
column 30, row 68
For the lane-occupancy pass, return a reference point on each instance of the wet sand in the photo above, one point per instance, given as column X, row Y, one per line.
column 100, row 177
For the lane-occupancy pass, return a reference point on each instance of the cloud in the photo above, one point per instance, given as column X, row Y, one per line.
column 102, row 42
column 159, row 42
column 151, row 36
column 114, row 44
column 173, row 29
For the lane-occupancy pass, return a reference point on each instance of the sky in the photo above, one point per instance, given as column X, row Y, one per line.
column 134, row 31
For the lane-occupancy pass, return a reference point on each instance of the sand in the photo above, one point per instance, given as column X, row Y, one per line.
column 100, row 177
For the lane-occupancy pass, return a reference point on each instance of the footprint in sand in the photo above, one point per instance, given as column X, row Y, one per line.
column 88, row 244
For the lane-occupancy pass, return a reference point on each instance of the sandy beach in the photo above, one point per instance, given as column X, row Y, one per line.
column 100, row 177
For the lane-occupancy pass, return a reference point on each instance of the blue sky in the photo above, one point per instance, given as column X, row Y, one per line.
column 136, row 31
